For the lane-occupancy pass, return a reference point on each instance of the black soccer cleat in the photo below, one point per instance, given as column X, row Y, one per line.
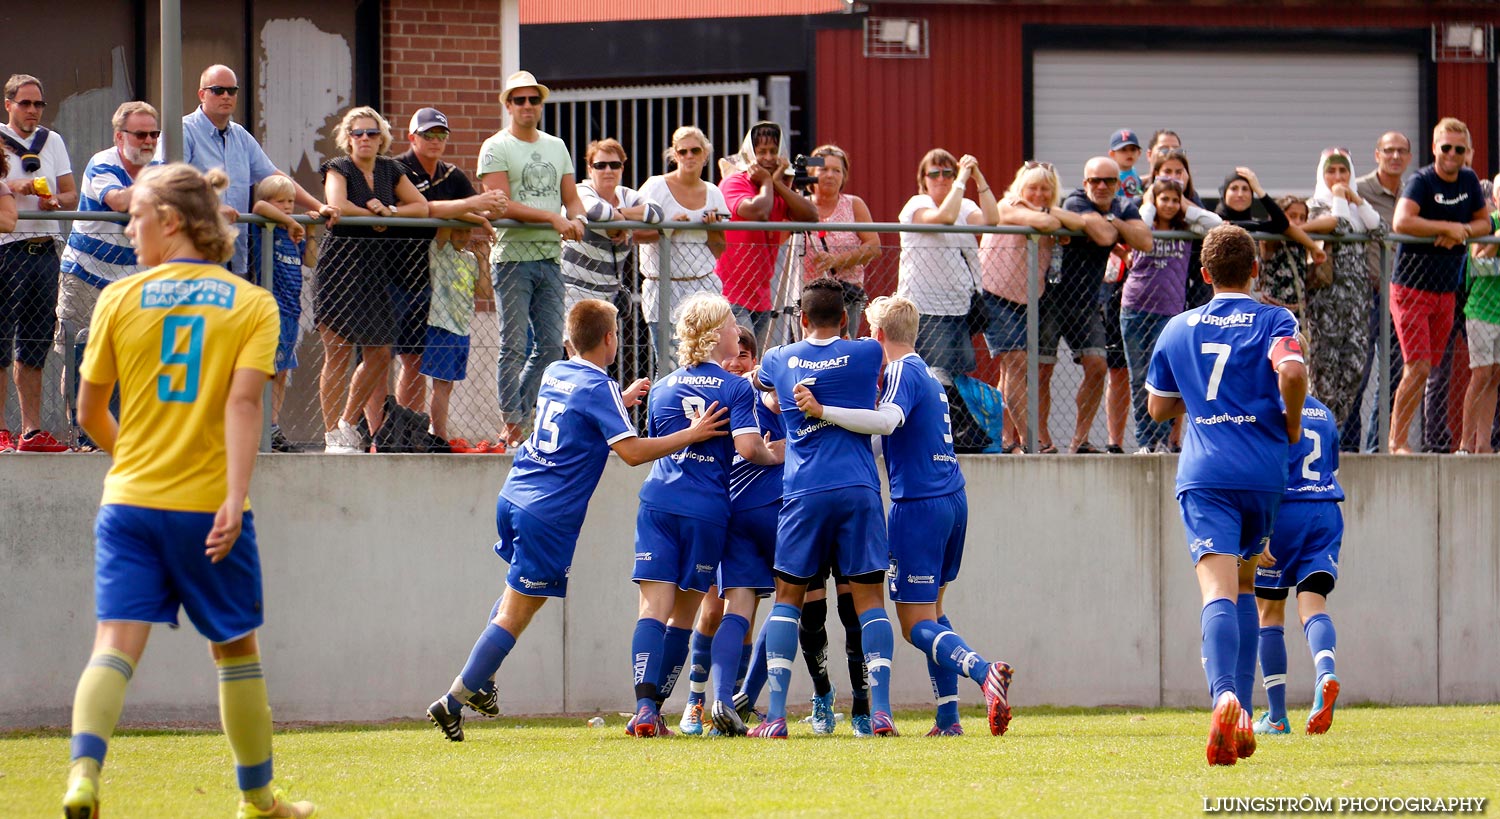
column 451, row 723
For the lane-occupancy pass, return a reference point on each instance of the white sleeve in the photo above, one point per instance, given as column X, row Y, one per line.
column 882, row 420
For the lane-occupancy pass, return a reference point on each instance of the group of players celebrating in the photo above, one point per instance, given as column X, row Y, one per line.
column 763, row 482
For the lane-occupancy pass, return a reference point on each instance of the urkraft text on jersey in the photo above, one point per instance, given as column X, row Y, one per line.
column 1313, row 412
column 698, row 381
column 1231, row 320
column 565, row 386
column 817, row 366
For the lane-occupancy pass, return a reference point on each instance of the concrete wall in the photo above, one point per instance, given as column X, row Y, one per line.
column 379, row 575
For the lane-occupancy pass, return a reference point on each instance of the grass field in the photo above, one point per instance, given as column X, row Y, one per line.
column 1053, row 762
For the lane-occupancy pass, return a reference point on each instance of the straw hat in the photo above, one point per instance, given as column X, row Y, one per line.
column 522, row 79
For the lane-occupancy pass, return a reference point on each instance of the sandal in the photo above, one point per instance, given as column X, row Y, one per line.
column 1012, row 448
column 1049, row 449
column 1085, row 448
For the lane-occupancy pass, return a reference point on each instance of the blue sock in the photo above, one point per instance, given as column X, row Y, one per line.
column 757, row 674
column 1221, row 645
column 702, row 654
column 879, row 644
column 674, row 653
column 781, row 650
column 1244, row 666
column 646, row 657
column 944, row 685
column 1273, row 669
column 484, row 660
column 947, row 658
column 746, row 652
column 1320, row 641
column 728, row 648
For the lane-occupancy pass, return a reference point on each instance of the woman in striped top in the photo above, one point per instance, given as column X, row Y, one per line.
column 594, row 267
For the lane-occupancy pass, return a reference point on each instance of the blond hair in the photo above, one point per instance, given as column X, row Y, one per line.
column 589, row 322
column 341, row 134
column 275, row 186
column 1450, row 125
column 895, row 315
column 126, row 109
column 1036, row 172
column 194, row 196
column 670, row 154
column 698, row 327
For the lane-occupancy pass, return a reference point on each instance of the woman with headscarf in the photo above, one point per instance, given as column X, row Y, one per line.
column 1339, row 344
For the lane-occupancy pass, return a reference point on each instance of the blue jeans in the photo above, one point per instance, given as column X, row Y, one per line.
column 1139, row 331
column 944, row 341
column 529, row 300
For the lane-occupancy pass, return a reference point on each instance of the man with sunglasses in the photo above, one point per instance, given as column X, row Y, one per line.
column 41, row 178
column 1443, row 201
column 211, row 139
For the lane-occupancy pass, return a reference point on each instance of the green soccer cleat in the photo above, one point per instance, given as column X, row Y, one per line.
column 82, row 800
column 1267, row 726
column 692, row 720
column 281, row 808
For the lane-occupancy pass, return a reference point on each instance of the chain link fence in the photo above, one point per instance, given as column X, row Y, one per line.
column 440, row 319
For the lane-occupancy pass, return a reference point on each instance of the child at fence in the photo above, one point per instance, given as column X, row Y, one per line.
column 292, row 246
column 457, row 272
column 1283, row 265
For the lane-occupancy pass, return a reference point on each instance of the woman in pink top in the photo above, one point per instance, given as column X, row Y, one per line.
column 841, row 254
column 1030, row 202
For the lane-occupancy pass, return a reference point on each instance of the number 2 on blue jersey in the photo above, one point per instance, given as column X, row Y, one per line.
column 1312, row 457
column 191, row 360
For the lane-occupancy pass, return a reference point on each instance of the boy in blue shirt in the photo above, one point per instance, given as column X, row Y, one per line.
column 293, row 247
column 1304, row 552
column 929, row 512
column 831, row 504
column 1234, row 369
column 580, row 418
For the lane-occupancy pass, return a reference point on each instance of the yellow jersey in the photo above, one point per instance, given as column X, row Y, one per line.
column 173, row 337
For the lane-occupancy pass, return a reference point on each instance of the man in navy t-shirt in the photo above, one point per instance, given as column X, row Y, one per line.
column 1444, row 201
column 580, row 418
column 1233, row 368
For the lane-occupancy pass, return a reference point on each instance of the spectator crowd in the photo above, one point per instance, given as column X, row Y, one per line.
column 394, row 305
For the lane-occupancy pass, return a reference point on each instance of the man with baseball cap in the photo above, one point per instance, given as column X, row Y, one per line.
column 1125, row 149
column 535, row 170
column 450, row 195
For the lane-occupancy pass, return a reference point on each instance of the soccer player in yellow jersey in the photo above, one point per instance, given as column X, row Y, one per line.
column 191, row 347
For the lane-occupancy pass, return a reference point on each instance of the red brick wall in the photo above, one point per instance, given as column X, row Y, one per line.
column 446, row 54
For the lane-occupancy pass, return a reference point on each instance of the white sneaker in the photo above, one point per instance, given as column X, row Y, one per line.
column 343, row 440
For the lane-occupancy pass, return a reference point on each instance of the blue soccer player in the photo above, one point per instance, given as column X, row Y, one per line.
column 929, row 512
column 191, row 347
column 1304, row 552
column 683, row 518
column 831, row 498
column 1234, row 369
column 580, row 418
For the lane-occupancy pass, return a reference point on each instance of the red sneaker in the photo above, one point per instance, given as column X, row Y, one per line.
column 1223, row 747
column 7, row 441
column 40, row 440
column 460, row 445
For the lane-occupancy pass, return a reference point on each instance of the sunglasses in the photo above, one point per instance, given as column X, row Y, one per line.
column 435, row 136
column 1111, row 181
column 943, row 173
column 689, row 151
column 217, row 90
column 37, row 104
column 1032, row 163
column 364, row 132
column 613, row 165
column 526, row 99
column 1457, row 149
column 143, row 134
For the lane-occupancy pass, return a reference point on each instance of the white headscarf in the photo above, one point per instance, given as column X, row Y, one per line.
column 1360, row 220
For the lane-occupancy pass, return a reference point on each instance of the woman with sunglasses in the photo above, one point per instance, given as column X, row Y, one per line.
column 358, row 274
column 939, row 272
column 593, row 268
column 841, row 254
column 1338, row 345
column 684, row 197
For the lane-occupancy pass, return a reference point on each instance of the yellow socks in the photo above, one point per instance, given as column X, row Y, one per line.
column 97, row 703
column 246, row 714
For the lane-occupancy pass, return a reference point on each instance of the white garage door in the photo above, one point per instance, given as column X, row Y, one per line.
column 1273, row 112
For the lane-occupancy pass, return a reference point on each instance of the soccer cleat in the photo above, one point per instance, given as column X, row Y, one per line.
column 746, row 708
column 82, row 800
column 40, row 440
column 770, row 729
column 485, row 700
column 861, row 725
column 692, row 720
column 1222, row 747
column 954, row 730
column 451, row 723
column 822, row 715
column 1321, row 717
column 882, row 725
column 1244, row 735
column 661, row 727
column 1265, row 725
column 726, row 720
column 997, row 696
column 644, row 723
column 281, row 808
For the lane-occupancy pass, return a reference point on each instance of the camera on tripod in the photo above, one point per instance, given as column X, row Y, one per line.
column 802, row 181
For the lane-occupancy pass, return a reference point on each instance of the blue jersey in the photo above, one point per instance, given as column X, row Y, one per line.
column 821, row 455
column 579, row 416
column 919, row 454
column 694, row 481
column 1313, row 463
column 751, row 485
column 286, row 271
column 1217, row 359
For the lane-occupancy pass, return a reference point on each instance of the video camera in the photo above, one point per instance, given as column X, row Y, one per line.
column 802, row 182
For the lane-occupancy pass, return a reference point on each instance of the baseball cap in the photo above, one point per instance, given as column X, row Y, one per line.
column 425, row 119
column 1122, row 138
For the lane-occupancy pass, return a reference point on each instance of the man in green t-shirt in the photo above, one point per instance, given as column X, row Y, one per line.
column 535, row 171
column 1482, row 325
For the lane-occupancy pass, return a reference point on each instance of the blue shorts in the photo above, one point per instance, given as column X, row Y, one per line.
column 286, row 343
column 750, row 550
column 672, row 548
column 1308, row 537
column 1228, row 521
column 148, row 563
column 846, row 524
column 411, row 308
column 447, row 355
column 540, row 555
column 1004, row 324
column 927, row 545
